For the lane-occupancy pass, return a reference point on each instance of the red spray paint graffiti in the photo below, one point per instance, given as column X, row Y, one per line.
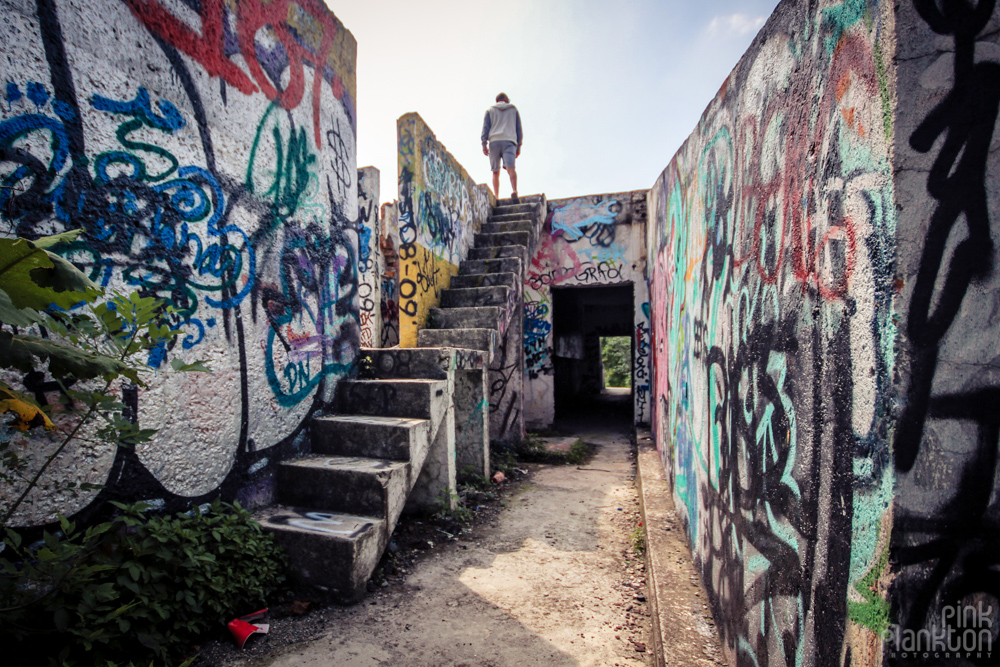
column 305, row 28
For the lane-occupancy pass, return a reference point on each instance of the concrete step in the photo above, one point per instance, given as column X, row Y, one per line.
column 527, row 199
column 419, row 398
column 515, row 209
column 365, row 486
column 504, row 227
column 483, row 280
column 395, row 438
column 471, row 267
column 430, row 363
column 484, row 317
column 333, row 552
column 472, row 339
column 517, row 222
column 503, row 238
column 497, row 252
column 474, row 296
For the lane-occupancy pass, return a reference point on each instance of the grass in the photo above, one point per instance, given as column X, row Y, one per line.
column 638, row 540
column 532, row 449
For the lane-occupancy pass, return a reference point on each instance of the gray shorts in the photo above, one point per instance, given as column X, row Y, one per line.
column 508, row 149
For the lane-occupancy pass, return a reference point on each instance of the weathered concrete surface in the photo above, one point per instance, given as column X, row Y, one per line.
column 157, row 104
column 465, row 338
column 440, row 208
column 472, row 423
column 772, row 243
column 549, row 584
column 423, row 399
column 499, row 252
column 484, row 280
column 336, row 553
column 591, row 241
column 393, row 438
column 945, row 534
column 475, row 317
column 371, row 262
column 472, row 297
column 465, row 371
column 359, row 485
column 682, row 629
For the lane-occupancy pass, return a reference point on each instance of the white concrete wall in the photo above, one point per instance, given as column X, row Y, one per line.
column 370, row 260
column 162, row 133
column 588, row 241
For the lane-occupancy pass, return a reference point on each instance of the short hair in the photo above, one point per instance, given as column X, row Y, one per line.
column 502, row 97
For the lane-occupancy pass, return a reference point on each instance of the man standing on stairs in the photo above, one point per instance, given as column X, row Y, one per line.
column 502, row 131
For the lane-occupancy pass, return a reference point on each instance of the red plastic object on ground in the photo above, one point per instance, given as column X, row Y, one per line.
column 242, row 629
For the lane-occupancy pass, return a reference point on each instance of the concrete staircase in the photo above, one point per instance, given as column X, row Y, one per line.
column 485, row 296
column 415, row 420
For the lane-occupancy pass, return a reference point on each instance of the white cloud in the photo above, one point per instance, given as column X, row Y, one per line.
column 735, row 24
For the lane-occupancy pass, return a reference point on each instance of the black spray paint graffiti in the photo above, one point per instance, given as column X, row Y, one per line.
column 641, row 370
column 762, row 503
column 949, row 556
column 505, row 390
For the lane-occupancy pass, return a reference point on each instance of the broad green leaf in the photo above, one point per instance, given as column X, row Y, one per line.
column 22, row 352
column 17, row 317
column 28, row 412
column 35, row 278
column 179, row 365
column 47, row 242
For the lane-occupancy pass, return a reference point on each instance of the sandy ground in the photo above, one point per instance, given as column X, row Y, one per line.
column 550, row 580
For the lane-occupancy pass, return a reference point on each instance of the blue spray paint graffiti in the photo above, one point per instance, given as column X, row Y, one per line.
column 573, row 219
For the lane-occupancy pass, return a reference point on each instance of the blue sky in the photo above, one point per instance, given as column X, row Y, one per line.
column 607, row 91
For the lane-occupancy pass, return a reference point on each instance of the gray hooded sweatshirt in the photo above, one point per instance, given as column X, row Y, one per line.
column 502, row 123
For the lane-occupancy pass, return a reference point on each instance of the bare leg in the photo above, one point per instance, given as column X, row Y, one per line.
column 496, row 183
column 513, row 178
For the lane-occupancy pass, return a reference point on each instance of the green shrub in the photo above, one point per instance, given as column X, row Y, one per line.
column 616, row 355
column 139, row 588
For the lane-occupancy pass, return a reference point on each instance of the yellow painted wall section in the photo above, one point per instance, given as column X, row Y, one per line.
column 422, row 278
column 440, row 210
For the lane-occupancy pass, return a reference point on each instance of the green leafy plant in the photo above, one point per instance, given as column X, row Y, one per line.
column 579, row 453
column 54, row 324
column 616, row 355
column 469, row 478
column 366, row 366
column 135, row 586
column 138, row 587
column 503, row 458
column 637, row 540
column 451, row 509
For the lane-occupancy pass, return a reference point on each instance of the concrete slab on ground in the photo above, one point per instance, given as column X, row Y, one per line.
column 683, row 630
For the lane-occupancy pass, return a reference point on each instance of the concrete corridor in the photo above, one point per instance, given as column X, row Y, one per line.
column 550, row 580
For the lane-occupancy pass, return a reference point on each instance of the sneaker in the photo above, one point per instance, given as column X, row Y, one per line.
column 513, row 198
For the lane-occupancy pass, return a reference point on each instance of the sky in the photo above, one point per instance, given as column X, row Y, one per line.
column 607, row 90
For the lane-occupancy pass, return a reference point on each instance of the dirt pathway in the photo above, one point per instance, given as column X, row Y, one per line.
column 551, row 582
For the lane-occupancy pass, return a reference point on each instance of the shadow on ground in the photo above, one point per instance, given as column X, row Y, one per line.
column 550, row 580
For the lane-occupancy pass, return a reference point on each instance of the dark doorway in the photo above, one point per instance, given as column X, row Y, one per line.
column 581, row 317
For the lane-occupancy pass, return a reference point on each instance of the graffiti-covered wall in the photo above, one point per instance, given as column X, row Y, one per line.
column 591, row 241
column 946, row 527
column 440, row 209
column 371, row 263
column 772, row 247
column 208, row 151
column 389, row 269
